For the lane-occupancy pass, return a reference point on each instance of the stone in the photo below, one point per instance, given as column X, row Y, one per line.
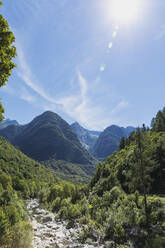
column 110, row 244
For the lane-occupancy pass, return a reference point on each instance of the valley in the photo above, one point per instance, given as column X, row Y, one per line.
column 100, row 181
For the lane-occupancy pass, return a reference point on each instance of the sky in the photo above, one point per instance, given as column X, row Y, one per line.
column 80, row 61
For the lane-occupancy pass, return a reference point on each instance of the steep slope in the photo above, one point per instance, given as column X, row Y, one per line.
column 117, row 167
column 19, row 166
column 46, row 137
column 109, row 141
column 11, row 131
column 86, row 137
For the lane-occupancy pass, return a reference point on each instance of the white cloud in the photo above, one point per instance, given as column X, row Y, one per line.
column 29, row 79
column 160, row 33
column 77, row 105
column 120, row 106
column 26, row 96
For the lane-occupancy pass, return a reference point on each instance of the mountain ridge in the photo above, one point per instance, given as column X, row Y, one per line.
column 8, row 122
column 48, row 136
column 86, row 137
column 109, row 141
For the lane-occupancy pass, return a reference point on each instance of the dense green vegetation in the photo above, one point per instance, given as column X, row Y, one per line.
column 7, row 53
column 76, row 173
column 159, row 122
column 20, row 178
column 122, row 201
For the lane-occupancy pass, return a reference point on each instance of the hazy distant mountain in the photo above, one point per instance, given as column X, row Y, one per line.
column 109, row 141
column 86, row 137
column 48, row 136
column 8, row 122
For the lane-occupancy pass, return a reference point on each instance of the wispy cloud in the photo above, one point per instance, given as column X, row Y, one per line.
column 30, row 80
column 20, row 92
column 77, row 105
column 26, row 96
column 161, row 33
column 120, row 106
column 73, row 105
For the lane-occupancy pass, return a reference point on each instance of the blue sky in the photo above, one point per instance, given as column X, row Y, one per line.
column 75, row 59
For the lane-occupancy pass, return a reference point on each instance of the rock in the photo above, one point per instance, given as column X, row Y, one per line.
column 47, row 218
column 50, row 233
column 110, row 244
column 71, row 224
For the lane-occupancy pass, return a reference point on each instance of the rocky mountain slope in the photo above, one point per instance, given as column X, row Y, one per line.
column 109, row 141
column 86, row 137
column 7, row 123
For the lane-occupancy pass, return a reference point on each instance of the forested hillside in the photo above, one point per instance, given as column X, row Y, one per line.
column 48, row 136
column 122, row 202
column 50, row 139
column 22, row 178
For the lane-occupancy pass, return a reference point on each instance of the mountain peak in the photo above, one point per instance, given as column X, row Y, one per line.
column 8, row 122
column 48, row 136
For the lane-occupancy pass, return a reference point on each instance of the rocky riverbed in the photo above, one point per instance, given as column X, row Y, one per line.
column 49, row 232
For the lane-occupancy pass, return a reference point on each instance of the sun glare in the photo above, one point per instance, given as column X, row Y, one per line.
column 125, row 10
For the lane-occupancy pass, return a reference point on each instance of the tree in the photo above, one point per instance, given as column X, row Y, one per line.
column 141, row 168
column 7, row 53
column 159, row 124
column 152, row 122
column 122, row 143
column 159, row 157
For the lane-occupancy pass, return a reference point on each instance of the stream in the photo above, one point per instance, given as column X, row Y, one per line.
column 49, row 232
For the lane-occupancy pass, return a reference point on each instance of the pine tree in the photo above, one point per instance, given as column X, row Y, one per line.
column 159, row 124
column 140, row 168
column 122, row 143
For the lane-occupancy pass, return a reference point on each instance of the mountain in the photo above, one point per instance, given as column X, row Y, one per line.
column 8, row 122
column 109, row 141
column 47, row 137
column 10, row 132
column 86, row 137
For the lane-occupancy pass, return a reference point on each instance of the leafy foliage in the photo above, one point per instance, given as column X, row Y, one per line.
column 7, row 53
column 76, row 173
column 20, row 178
column 122, row 207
